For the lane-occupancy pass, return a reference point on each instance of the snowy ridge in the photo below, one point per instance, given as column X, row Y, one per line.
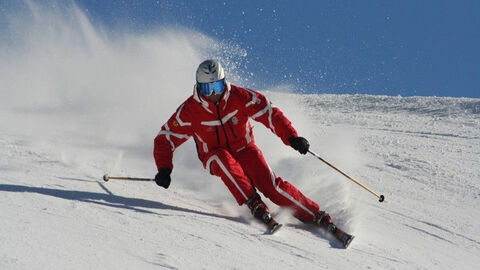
column 435, row 106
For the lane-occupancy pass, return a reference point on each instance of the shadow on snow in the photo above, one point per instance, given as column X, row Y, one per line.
column 110, row 200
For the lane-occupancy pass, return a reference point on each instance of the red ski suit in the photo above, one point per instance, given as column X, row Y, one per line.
column 225, row 145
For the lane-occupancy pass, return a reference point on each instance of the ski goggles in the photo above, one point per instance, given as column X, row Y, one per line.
column 208, row 89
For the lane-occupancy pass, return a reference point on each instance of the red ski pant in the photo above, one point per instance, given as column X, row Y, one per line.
column 247, row 170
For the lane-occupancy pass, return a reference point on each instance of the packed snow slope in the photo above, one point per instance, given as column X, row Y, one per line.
column 422, row 153
column 78, row 102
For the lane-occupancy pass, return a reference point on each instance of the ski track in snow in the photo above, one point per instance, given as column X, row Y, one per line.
column 56, row 212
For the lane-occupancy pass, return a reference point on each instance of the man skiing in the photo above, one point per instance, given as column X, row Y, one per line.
column 217, row 116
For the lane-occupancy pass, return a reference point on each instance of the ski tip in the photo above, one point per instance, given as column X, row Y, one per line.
column 274, row 228
column 348, row 241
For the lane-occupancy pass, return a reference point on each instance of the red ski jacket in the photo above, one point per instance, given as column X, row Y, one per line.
column 223, row 125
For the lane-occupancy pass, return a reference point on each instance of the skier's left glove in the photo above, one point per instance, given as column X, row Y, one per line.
column 300, row 144
column 163, row 177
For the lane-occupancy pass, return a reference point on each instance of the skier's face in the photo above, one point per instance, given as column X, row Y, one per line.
column 212, row 91
column 210, row 88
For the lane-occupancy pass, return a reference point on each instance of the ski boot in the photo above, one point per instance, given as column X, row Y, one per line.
column 324, row 221
column 260, row 211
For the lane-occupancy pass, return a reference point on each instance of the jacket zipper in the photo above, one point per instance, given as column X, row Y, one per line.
column 223, row 127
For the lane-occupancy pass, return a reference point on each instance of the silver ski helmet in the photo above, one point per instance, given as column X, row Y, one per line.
column 210, row 77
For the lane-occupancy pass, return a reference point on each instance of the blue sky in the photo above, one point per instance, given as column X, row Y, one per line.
column 427, row 48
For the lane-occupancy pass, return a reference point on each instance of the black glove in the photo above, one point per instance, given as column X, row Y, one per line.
column 163, row 177
column 300, row 144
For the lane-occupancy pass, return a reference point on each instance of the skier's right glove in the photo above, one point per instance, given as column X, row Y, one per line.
column 163, row 177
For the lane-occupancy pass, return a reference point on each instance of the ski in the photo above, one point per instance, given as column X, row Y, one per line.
column 340, row 235
column 273, row 226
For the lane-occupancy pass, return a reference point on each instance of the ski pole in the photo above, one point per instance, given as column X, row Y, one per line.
column 106, row 177
column 381, row 198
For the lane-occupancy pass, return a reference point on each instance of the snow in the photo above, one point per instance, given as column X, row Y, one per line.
column 92, row 103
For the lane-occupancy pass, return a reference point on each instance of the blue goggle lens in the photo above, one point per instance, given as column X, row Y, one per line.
column 207, row 89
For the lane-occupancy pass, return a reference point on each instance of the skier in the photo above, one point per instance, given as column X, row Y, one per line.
column 217, row 117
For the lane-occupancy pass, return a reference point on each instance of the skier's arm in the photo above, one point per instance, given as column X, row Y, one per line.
column 260, row 109
column 175, row 132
